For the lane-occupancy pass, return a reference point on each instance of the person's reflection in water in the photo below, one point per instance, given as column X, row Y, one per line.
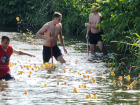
column 3, row 85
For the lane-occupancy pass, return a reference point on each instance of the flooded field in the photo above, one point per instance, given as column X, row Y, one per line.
column 78, row 82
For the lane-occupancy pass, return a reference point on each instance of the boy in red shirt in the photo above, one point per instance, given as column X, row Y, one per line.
column 5, row 53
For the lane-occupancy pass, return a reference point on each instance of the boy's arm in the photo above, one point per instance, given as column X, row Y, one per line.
column 22, row 53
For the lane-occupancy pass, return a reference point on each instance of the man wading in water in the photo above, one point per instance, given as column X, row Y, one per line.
column 5, row 54
column 54, row 28
column 93, row 33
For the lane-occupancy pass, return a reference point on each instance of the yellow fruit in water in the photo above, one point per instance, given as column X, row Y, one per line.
column 75, row 90
column 120, row 78
column 45, row 85
column 112, row 73
column 25, row 92
column 60, row 77
column 128, row 77
column 57, row 82
column 101, row 74
column 95, row 97
column 113, row 83
column 84, row 76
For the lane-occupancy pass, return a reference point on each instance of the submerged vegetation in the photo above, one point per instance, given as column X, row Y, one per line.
column 121, row 23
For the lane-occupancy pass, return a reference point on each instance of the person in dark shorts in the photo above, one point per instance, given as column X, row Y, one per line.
column 52, row 31
column 94, row 34
column 94, row 38
column 47, row 53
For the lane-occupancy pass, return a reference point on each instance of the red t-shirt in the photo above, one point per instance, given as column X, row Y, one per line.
column 4, row 60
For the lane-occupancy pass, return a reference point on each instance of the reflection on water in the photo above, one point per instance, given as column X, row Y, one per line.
column 77, row 82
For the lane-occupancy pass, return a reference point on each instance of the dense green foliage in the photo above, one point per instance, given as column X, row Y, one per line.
column 121, row 21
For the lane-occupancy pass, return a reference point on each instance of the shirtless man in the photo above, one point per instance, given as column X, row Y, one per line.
column 5, row 54
column 55, row 28
column 93, row 33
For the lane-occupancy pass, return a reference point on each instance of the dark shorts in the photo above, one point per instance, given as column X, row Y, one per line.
column 47, row 53
column 7, row 77
column 94, row 38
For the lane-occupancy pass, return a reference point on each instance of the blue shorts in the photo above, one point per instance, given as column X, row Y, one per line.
column 7, row 77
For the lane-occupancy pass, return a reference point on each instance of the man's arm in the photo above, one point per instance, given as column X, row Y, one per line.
column 41, row 31
column 22, row 53
column 62, row 41
column 88, row 29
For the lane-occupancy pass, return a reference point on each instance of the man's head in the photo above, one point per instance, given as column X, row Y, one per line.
column 5, row 41
column 57, row 17
column 95, row 7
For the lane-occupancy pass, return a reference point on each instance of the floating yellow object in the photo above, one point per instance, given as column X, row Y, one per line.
column 120, row 84
column 75, row 90
column 84, row 86
column 66, row 77
column 120, row 78
column 17, row 18
column 88, row 96
column 45, row 85
column 80, row 86
column 113, row 83
column 30, row 72
column 25, row 92
column 60, row 77
column 93, row 80
column 101, row 74
column 131, row 86
column 95, row 96
column 69, row 69
column 139, row 75
column 64, row 71
column 30, row 33
column 20, row 72
column 32, row 68
column 42, row 66
column 128, row 77
column 90, row 72
column 84, row 76
column 95, row 93
column 88, row 76
column 79, row 73
column 57, row 82
column 112, row 73
column 48, row 65
column 29, row 75
column 76, row 61
column 36, row 71
column 134, row 82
